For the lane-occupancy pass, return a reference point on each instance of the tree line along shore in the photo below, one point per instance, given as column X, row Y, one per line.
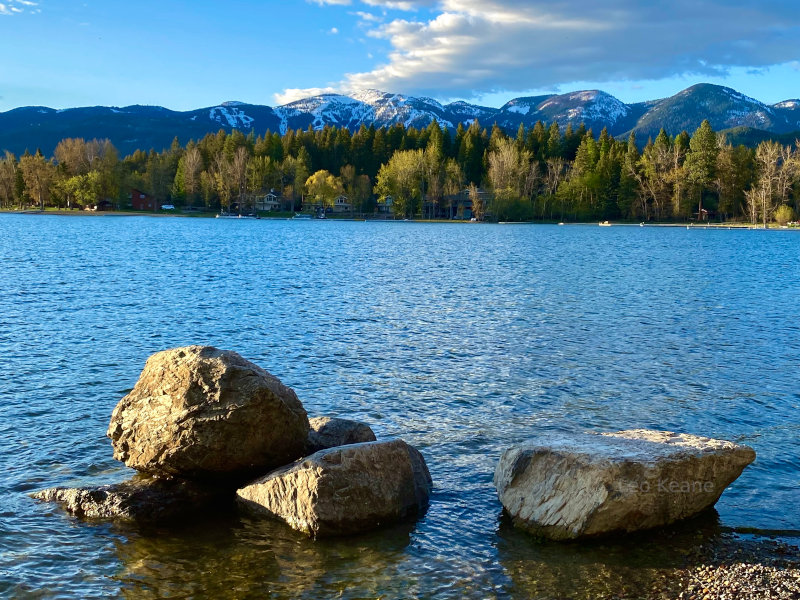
column 540, row 174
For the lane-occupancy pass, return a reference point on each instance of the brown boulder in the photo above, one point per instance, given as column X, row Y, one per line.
column 344, row 490
column 207, row 414
column 328, row 432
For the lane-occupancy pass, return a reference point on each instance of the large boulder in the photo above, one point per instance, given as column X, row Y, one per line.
column 568, row 486
column 143, row 500
column 329, row 432
column 207, row 414
column 344, row 490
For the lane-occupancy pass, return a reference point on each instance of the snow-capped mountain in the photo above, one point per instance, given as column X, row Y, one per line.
column 724, row 107
column 146, row 127
column 231, row 114
column 593, row 108
column 790, row 109
column 369, row 107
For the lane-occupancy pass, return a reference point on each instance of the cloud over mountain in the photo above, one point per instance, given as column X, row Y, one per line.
column 463, row 48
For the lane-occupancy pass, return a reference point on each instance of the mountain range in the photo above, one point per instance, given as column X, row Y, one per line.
column 146, row 127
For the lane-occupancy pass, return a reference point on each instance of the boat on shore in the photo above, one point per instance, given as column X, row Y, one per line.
column 605, row 224
column 230, row 216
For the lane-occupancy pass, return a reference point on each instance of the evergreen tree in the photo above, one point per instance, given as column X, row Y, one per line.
column 554, row 142
column 701, row 163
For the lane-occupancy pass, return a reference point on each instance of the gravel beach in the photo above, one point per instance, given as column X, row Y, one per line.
column 741, row 567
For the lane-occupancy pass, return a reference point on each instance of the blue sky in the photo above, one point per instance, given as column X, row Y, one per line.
column 185, row 55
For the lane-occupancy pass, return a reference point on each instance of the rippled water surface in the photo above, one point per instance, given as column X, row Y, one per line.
column 461, row 339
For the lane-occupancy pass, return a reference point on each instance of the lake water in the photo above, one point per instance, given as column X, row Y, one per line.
column 460, row 339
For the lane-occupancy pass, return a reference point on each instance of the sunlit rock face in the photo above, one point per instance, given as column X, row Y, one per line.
column 569, row 486
column 207, row 414
column 344, row 490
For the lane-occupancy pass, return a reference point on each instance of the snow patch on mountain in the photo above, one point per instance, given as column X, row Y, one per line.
column 515, row 107
column 604, row 106
column 736, row 116
column 231, row 116
column 584, row 96
column 587, row 105
column 745, row 99
column 364, row 106
column 465, row 108
column 787, row 104
column 327, row 109
column 431, row 101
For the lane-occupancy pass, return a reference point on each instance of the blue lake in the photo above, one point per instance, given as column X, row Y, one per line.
column 461, row 339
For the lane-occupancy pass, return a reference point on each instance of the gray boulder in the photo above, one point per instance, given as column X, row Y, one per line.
column 344, row 490
column 328, row 432
column 569, row 486
column 143, row 500
column 207, row 414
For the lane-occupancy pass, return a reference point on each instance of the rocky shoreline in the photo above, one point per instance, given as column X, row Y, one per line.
column 207, row 429
column 211, row 433
column 736, row 567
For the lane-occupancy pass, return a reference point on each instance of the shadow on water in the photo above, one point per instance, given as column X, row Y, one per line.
column 626, row 566
column 240, row 556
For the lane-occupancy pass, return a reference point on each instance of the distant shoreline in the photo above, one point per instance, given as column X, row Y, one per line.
column 105, row 213
column 211, row 215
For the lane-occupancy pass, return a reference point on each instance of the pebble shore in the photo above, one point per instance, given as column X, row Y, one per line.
column 735, row 567
column 727, row 567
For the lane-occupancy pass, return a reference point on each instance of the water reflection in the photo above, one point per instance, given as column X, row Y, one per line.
column 244, row 557
column 627, row 566
column 241, row 556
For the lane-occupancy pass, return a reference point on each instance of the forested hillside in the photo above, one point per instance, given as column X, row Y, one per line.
column 541, row 173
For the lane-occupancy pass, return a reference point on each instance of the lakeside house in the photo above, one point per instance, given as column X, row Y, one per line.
column 341, row 204
column 142, row 201
column 269, row 203
column 384, row 206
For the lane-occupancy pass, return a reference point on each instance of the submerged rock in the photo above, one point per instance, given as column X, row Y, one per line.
column 328, row 432
column 344, row 490
column 143, row 499
column 207, row 414
column 569, row 486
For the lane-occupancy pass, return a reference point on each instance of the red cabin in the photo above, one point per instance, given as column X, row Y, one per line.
column 142, row 201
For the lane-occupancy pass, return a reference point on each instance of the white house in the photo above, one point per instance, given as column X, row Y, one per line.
column 269, row 202
column 341, row 204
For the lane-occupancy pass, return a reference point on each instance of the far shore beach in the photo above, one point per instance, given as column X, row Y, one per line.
column 284, row 216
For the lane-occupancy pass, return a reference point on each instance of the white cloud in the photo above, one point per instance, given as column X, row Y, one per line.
column 365, row 17
column 407, row 5
column 333, row 30
column 393, row 4
column 14, row 7
column 472, row 47
column 292, row 94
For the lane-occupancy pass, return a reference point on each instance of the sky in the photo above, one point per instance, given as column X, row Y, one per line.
column 185, row 54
